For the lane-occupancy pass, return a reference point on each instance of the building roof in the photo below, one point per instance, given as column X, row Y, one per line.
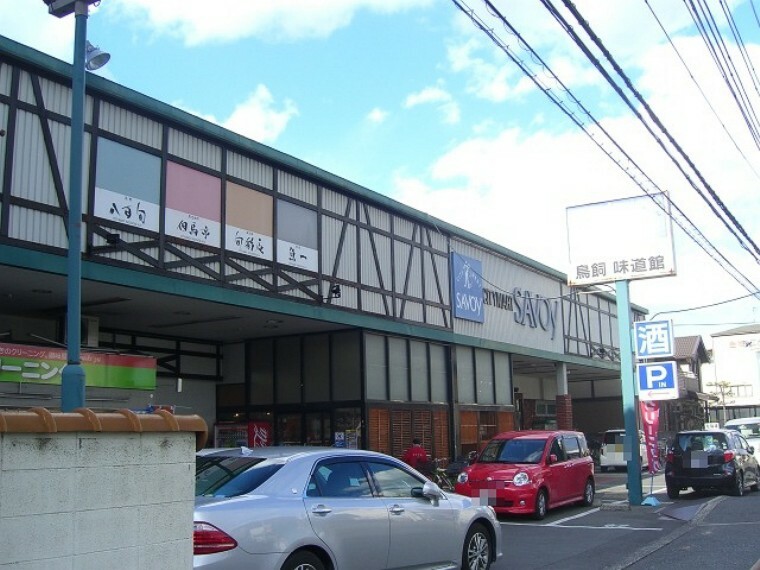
column 746, row 329
column 687, row 347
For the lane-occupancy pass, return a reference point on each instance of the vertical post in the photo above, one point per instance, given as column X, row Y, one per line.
column 73, row 377
column 631, row 445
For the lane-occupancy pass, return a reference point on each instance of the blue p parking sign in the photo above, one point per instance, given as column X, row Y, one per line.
column 657, row 381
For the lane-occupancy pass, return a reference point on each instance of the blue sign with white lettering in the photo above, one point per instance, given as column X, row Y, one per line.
column 654, row 339
column 467, row 285
column 657, row 381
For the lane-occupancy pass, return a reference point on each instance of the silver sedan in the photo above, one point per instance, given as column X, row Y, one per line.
column 311, row 508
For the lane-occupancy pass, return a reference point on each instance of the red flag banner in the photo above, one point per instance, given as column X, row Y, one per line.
column 650, row 419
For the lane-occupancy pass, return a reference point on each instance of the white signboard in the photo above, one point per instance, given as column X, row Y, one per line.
column 654, row 339
column 657, row 381
column 620, row 240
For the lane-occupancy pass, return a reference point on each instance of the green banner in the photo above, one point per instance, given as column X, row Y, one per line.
column 37, row 365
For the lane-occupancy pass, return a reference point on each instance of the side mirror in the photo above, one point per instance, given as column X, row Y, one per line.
column 431, row 490
column 552, row 458
column 472, row 456
column 751, row 450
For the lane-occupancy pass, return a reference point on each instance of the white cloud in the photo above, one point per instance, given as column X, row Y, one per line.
column 199, row 21
column 438, row 97
column 513, row 186
column 256, row 118
column 377, row 116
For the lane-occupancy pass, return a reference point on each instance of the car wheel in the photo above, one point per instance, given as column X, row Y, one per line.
column 739, row 484
column 303, row 560
column 673, row 492
column 588, row 493
column 539, row 511
column 476, row 553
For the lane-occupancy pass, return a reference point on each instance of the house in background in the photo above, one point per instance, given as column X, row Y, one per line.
column 690, row 409
column 733, row 377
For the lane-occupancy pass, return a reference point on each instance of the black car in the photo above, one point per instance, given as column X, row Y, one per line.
column 711, row 459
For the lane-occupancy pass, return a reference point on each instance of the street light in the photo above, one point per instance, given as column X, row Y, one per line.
column 85, row 55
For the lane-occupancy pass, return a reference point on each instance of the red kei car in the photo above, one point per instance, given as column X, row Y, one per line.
column 530, row 472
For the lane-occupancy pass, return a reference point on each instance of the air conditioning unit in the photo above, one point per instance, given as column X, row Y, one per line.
column 90, row 331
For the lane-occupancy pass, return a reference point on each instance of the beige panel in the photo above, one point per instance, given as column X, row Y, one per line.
column 249, row 209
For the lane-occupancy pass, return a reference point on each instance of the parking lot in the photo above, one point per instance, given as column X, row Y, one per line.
column 612, row 536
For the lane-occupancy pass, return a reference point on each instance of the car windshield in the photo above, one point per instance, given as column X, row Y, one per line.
column 518, row 450
column 230, row 476
column 748, row 429
column 690, row 442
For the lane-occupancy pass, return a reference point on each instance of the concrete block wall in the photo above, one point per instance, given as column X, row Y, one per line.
column 90, row 500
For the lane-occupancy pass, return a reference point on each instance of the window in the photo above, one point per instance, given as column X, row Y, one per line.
column 392, row 481
column 572, row 447
column 558, row 450
column 345, row 479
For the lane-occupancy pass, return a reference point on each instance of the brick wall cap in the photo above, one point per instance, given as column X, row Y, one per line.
column 42, row 420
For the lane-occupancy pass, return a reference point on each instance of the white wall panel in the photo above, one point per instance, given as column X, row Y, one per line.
column 32, row 178
column 25, row 92
column 296, row 187
column 3, row 125
column 5, row 78
column 505, row 275
column 250, row 170
column 331, row 235
column 129, row 125
column 369, row 272
column 373, row 303
column 336, row 202
column 378, row 219
column 436, row 278
column 403, row 227
column 37, row 227
column 194, row 149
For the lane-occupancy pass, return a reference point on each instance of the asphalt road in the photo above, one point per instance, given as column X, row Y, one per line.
column 708, row 531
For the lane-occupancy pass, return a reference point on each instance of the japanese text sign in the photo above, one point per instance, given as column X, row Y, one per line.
column 654, row 339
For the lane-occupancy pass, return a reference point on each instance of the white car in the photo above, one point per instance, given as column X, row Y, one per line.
column 312, row 508
column 612, row 453
column 750, row 429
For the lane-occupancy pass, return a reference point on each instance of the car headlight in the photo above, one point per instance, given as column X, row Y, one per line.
column 462, row 477
column 521, row 479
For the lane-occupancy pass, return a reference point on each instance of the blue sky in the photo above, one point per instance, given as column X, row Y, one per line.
column 409, row 99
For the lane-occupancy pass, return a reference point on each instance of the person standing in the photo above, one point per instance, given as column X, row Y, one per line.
column 415, row 456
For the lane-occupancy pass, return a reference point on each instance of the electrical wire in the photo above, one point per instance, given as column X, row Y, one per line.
column 720, row 210
column 631, row 169
column 701, row 91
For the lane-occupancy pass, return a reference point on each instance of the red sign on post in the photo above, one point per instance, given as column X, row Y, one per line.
column 650, row 419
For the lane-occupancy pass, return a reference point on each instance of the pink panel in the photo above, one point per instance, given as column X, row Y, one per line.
column 193, row 192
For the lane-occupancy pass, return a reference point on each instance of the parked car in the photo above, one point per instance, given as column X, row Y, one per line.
column 313, row 508
column 613, row 456
column 530, row 472
column 750, row 429
column 710, row 459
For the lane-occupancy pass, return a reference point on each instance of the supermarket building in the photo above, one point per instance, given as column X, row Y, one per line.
column 279, row 301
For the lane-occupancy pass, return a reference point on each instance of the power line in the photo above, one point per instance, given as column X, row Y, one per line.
column 701, row 91
column 752, row 248
column 630, row 169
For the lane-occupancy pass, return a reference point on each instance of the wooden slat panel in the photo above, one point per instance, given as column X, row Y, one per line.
column 379, row 430
column 401, row 431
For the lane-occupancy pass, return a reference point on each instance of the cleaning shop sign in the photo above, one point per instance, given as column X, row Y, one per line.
column 530, row 309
